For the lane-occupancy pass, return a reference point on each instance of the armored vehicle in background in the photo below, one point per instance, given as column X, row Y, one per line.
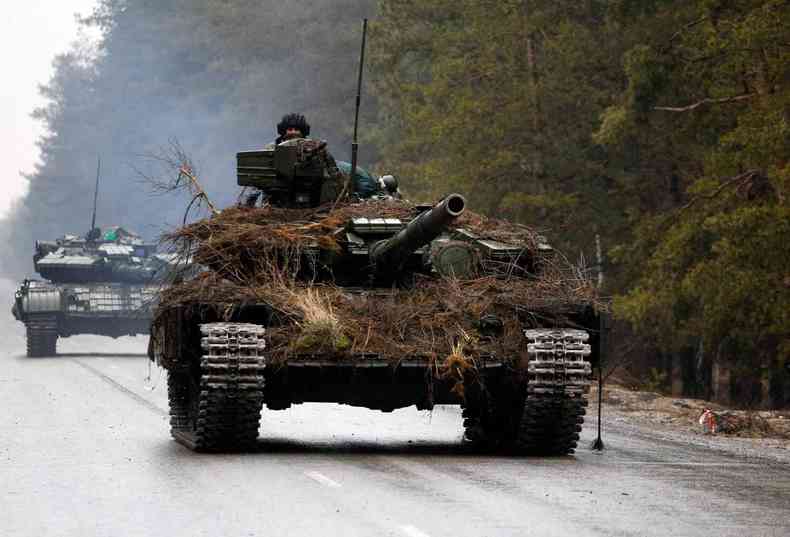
column 104, row 283
column 381, row 304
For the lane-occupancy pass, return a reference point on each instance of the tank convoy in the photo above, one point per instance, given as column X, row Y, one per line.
column 521, row 371
column 103, row 283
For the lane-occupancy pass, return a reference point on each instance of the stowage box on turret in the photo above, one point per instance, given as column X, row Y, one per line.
column 373, row 302
column 105, row 283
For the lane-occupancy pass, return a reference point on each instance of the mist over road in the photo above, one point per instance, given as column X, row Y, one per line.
column 86, row 451
column 215, row 76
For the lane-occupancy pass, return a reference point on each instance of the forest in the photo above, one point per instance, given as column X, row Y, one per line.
column 657, row 129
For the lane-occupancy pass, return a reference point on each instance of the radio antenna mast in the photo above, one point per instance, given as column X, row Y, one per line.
column 354, row 144
column 95, row 195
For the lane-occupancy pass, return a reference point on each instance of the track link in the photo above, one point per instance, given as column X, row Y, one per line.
column 491, row 419
column 559, row 378
column 42, row 335
column 217, row 406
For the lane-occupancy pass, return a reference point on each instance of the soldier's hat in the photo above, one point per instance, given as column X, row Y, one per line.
column 293, row 121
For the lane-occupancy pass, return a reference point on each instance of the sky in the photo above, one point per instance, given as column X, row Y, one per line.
column 32, row 33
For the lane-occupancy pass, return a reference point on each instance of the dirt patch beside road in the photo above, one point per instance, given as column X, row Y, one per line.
column 683, row 413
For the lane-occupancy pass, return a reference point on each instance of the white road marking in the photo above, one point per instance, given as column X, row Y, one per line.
column 651, row 463
column 324, row 480
column 411, row 531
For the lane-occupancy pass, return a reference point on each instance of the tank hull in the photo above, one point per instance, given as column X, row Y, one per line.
column 54, row 310
column 528, row 404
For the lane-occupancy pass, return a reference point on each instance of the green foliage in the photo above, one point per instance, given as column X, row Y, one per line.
column 647, row 78
column 614, row 124
column 715, row 268
column 497, row 100
column 715, row 275
column 661, row 125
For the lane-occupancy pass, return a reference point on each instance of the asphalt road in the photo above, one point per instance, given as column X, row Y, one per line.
column 85, row 450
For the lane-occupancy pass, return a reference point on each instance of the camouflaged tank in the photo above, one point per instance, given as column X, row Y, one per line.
column 104, row 283
column 223, row 362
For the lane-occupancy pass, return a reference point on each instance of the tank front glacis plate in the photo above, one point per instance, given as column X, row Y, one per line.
column 101, row 300
column 110, row 300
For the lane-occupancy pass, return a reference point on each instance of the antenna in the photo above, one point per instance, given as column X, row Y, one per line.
column 354, row 144
column 95, row 195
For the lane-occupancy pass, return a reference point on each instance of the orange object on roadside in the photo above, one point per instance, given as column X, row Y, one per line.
column 708, row 421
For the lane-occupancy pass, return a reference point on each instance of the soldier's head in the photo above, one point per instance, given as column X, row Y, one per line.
column 292, row 126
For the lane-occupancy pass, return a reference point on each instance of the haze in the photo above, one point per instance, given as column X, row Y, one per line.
column 31, row 34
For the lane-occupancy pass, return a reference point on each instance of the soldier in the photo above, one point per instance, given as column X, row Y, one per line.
column 294, row 126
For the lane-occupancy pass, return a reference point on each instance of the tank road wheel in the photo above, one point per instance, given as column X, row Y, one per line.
column 559, row 377
column 217, row 405
column 550, row 425
column 491, row 420
column 42, row 335
column 475, row 430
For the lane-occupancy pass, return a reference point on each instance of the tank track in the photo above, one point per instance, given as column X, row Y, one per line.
column 42, row 335
column 491, row 420
column 217, row 405
column 559, row 378
column 546, row 417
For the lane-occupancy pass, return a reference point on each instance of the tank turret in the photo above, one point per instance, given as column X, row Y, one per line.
column 110, row 255
column 389, row 254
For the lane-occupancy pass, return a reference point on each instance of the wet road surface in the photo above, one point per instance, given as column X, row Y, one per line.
column 85, row 450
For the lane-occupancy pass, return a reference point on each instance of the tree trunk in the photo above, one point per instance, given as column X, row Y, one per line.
column 766, row 398
column 721, row 377
column 676, row 374
column 537, row 119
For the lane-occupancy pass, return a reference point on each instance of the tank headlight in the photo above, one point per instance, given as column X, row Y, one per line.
column 455, row 259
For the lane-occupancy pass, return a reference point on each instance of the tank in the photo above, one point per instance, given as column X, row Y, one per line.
column 387, row 304
column 103, row 283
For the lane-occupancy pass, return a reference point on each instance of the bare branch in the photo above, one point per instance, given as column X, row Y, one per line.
column 705, row 101
column 186, row 172
column 683, row 29
column 175, row 173
column 740, row 179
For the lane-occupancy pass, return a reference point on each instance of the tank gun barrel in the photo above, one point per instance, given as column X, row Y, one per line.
column 390, row 253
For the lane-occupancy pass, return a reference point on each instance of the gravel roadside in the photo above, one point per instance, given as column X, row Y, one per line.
column 672, row 419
